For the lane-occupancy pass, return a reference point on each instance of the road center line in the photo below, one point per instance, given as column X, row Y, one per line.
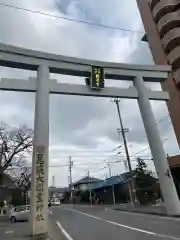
column 124, row 226
column 64, row 231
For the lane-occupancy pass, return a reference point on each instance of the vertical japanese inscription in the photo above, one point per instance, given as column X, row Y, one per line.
column 97, row 78
column 39, row 185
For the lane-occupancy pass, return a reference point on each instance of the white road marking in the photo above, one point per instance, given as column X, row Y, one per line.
column 64, row 231
column 9, row 232
column 125, row 226
column 50, row 211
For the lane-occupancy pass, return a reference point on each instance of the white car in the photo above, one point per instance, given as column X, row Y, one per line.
column 56, row 203
column 20, row 213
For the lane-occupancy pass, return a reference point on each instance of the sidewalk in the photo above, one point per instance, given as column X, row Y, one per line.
column 155, row 210
column 20, row 231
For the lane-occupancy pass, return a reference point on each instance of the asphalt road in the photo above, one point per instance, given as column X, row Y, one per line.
column 85, row 223
column 21, row 230
column 10, row 231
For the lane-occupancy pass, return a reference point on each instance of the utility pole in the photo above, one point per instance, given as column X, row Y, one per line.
column 119, row 133
column 70, row 178
column 53, row 181
column 123, row 130
column 26, row 197
column 113, row 193
column 1, row 160
column 109, row 167
column 90, row 193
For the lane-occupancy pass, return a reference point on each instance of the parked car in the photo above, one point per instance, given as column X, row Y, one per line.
column 20, row 213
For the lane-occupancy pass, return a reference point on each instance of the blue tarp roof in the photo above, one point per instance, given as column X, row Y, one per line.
column 122, row 178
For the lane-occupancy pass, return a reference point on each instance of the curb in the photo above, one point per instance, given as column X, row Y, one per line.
column 148, row 213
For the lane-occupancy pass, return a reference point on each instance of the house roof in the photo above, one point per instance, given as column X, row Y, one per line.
column 120, row 179
column 87, row 179
column 58, row 190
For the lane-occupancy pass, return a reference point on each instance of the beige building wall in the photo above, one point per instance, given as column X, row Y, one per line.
column 161, row 19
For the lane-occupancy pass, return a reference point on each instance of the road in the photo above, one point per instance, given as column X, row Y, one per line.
column 80, row 222
column 21, row 230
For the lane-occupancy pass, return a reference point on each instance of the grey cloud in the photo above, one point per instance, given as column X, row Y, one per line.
column 108, row 125
column 74, row 115
column 77, row 121
column 141, row 55
column 99, row 11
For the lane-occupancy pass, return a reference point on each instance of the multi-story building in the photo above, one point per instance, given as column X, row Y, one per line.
column 161, row 19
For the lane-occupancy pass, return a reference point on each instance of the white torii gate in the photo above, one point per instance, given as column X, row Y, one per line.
column 45, row 63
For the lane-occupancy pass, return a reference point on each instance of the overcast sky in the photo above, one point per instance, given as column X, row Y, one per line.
column 85, row 128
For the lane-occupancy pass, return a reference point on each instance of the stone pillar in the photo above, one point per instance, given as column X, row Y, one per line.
column 168, row 189
column 39, row 185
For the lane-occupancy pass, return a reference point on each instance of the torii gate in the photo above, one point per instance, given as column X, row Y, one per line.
column 45, row 63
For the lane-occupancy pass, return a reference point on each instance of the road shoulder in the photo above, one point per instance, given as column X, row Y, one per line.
column 54, row 231
column 20, row 231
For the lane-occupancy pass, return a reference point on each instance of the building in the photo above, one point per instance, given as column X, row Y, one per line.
column 174, row 163
column 116, row 189
column 161, row 19
column 81, row 189
column 58, row 194
column 83, row 183
column 113, row 190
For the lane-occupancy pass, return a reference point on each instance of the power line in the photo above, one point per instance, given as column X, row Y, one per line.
column 88, row 163
column 70, row 19
column 148, row 147
column 159, row 121
column 91, row 163
column 88, row 150
column 162, row 119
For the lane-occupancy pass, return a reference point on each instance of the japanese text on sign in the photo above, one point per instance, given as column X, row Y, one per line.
column 39, row 186
column 97, row 78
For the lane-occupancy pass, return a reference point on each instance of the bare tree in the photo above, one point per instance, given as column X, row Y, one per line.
column 20, row 176
column 15, row 144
